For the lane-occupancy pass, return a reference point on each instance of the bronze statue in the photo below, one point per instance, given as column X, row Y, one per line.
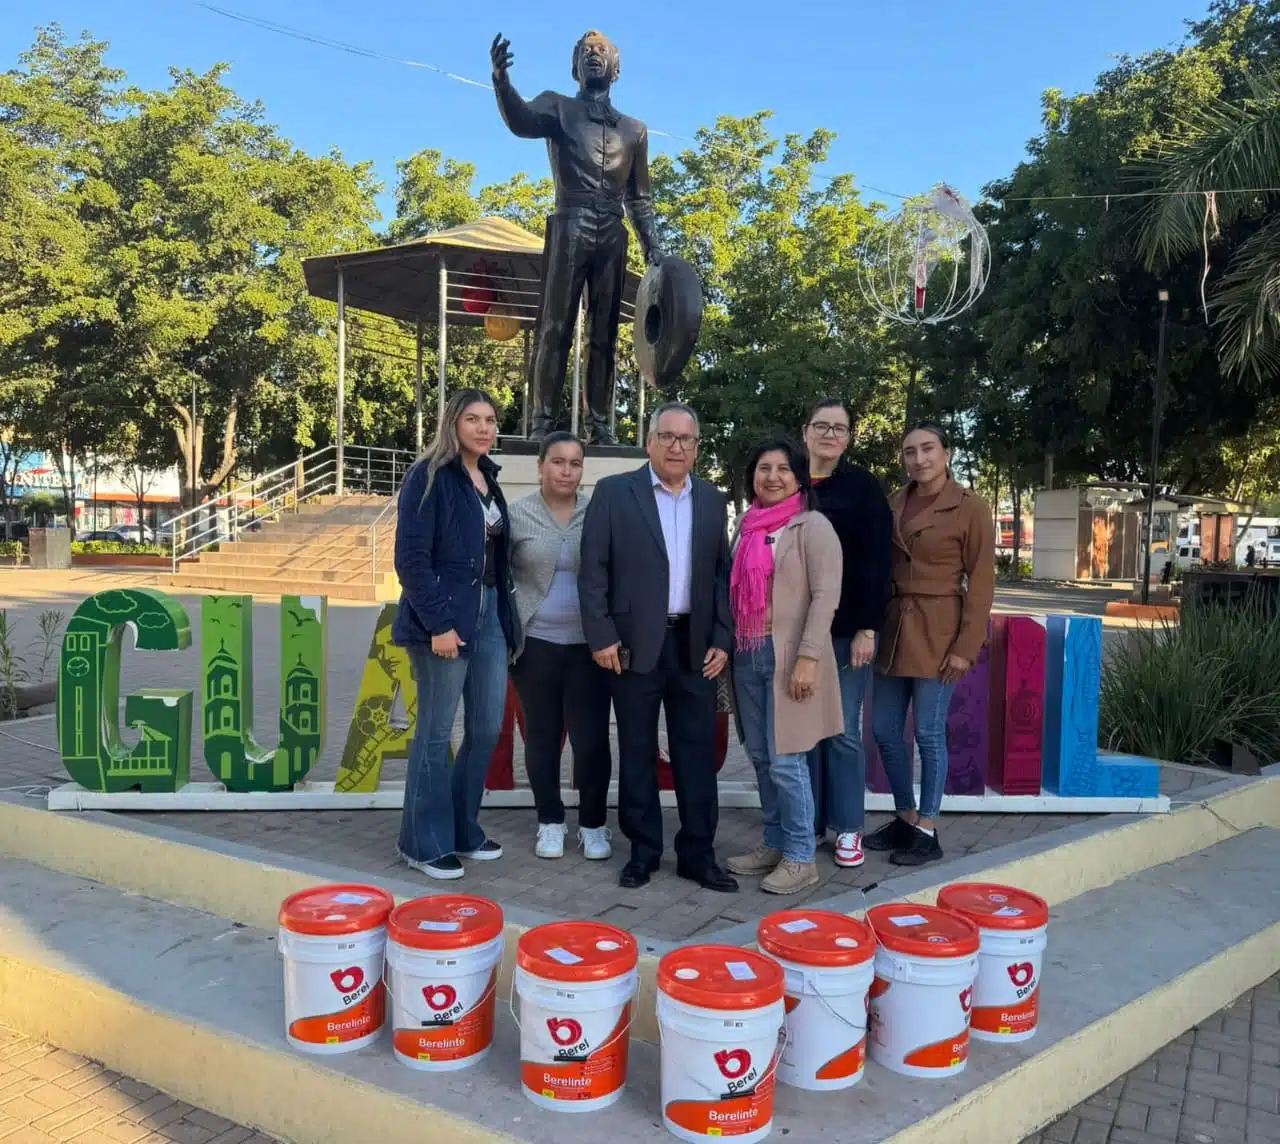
column 600, row 164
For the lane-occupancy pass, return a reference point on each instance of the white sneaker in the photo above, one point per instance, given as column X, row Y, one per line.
column 595, row 842
column 849, row 850
column 550, row 840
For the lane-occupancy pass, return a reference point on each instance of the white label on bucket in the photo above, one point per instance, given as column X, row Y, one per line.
column 348, row 899
column 1008, row 912
column 440, row 927
column 563, row 956
column 740, row 971
column 909, row 920
column 798, row 926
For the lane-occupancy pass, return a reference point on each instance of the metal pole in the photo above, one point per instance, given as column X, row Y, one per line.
column 342, row 376
column 417, row 398
column 640, row 434
column 524, row 408
column 577, row 368
column 1156, row 410
column 442, row 317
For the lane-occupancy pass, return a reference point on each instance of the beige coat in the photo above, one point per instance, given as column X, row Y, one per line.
column 943, row 584
column 807, row 570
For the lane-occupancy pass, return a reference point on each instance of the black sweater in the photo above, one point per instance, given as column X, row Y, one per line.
column 852, row 499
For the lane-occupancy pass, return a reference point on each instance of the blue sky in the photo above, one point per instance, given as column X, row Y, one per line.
column 919, row 91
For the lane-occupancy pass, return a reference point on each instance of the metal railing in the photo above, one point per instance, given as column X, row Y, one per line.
column 380, row 521
column 365, row 470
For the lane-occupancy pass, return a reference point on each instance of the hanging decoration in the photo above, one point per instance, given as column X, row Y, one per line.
column 500, row 323
column 928, row 263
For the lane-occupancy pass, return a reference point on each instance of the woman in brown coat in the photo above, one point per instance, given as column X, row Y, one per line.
column 935, row 626
column 784, row 589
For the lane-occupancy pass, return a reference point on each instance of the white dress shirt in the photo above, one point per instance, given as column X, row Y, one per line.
column 675, row 514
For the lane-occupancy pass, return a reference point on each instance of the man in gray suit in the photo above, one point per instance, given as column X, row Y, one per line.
column 654, row 590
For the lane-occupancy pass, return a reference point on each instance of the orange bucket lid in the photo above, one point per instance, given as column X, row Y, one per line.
column 819, row 938
column 995, row 907
column 721, row 977
column 577, row 951
column 330, row 911
column 445, row 921
column 923, row 931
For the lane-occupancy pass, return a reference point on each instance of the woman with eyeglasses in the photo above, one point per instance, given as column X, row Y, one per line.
column 943, row 587
column 853, row 501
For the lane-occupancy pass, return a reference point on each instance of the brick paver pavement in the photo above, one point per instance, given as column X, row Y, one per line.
column 50, row 1096
column 1217, row 1084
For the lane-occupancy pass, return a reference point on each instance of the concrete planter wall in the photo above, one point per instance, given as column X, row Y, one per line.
column 119, row 560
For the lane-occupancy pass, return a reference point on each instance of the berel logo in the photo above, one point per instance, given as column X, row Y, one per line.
column 733, row 1063
column 564, row 1030
column 440, row 997
column 966, row 999
column 347, row 980
column 1021, row 973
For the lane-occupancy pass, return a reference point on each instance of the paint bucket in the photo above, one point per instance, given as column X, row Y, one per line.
column 332, row 939
column 828, row 962
column 443, row 954
column 576, row 982
column 721, row 1019
column 926, row 961
column 1013, row 926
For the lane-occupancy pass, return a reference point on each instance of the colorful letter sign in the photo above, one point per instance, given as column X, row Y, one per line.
column 230, row 749
column 373, row 736
column 89, row 695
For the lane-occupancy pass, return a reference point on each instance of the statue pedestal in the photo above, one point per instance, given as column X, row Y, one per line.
column 519, row 461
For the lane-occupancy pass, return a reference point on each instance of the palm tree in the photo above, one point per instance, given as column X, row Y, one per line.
column 1218, row 176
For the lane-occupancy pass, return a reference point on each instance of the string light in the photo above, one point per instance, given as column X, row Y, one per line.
column 369, row 53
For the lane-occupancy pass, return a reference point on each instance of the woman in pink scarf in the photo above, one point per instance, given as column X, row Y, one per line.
column 784, row 590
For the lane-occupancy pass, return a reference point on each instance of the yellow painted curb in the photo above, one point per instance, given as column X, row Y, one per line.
column 218, row 1072
column 251, row 892
column 1028, row 1097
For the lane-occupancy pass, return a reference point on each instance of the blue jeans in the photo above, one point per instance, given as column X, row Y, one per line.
column 930, row 700
column 786, row 794
column 442, row 803
column 838, row 766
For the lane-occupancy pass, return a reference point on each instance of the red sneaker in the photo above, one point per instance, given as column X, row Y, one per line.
column 849, row 850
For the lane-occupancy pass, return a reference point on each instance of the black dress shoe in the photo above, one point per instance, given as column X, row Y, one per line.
column 710, row 877
column 635, row 874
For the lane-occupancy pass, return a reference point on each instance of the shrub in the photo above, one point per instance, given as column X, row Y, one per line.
column 11, row 548
column 115, row 547
column 1005, row 569
column 1173, row 690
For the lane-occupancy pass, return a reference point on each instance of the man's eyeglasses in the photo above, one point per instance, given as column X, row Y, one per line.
column 684, row 440
column 826, row 429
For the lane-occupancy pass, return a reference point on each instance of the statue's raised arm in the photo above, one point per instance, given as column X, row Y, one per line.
column 533, row 120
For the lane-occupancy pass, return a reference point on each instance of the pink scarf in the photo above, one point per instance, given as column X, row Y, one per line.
column 752, row 576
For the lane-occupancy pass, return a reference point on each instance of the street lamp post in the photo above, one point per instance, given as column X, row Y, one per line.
column 1156, row 411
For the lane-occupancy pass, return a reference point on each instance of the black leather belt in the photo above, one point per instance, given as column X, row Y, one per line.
column 674, row 621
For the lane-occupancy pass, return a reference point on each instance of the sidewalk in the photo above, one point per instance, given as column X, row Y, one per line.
column 48, row 1096
column 1217, row 1084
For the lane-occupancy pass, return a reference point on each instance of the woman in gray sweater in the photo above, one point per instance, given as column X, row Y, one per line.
column 555, row 676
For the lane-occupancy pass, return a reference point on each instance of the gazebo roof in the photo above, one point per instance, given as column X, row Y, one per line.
column 491, row 260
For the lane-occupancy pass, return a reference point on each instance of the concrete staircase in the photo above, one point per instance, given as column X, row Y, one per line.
column 324, row 548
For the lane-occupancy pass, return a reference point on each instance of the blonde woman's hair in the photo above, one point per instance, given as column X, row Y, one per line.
column 444, row 446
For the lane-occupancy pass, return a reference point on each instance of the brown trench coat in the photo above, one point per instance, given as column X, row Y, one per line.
column 807, row 569
column 943, row 584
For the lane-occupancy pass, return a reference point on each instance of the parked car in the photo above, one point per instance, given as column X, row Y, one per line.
column 123, row 534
